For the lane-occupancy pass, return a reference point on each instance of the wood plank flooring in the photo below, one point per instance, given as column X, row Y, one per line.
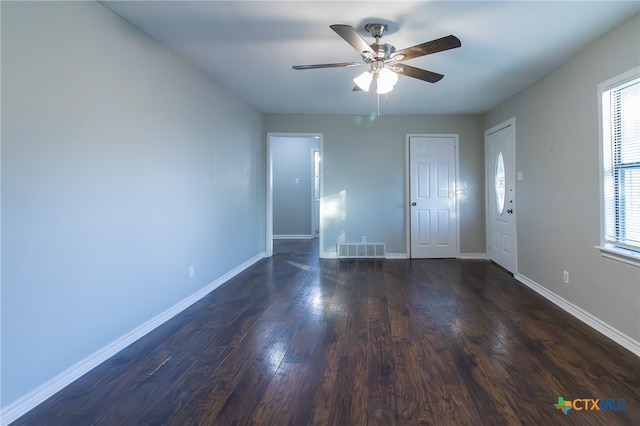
column 295, row 340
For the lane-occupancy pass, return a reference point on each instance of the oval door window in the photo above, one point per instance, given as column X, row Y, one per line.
column 500, row 188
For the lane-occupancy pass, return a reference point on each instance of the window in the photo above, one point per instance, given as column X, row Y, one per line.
column 500, row 186
column 620, row 126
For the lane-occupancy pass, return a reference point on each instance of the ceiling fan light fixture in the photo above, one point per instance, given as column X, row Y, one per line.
column 381, row 89
column 386, row 80
column 364, row 80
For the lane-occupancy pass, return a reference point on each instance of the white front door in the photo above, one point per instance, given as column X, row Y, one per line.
column 501, row 195
column 432, row 189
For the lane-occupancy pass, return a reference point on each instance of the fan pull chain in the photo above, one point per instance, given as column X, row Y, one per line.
column 386, row 98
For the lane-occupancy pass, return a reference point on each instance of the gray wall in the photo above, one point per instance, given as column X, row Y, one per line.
column 364, row 171
column 558, row 199
column 292, row 184
column 121, row 166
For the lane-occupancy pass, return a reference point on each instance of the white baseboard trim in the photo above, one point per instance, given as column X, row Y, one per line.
column 473, row 256
column 293, row 237
column 26, row 403
column 396, row 256
column 584, row 316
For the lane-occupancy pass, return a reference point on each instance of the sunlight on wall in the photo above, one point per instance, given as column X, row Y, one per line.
column 333, row 213
column 333, row 207
column 462, row 191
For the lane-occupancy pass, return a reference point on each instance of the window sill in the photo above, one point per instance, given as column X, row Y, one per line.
column 620, row 254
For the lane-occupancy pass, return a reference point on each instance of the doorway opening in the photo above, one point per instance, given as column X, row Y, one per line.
column 294, row 187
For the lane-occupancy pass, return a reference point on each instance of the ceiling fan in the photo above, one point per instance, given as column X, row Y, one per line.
column 384, row 60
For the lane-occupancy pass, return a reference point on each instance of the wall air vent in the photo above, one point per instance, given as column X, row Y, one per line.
column 361, row 250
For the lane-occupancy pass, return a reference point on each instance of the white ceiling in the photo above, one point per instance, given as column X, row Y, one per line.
column 250, row 46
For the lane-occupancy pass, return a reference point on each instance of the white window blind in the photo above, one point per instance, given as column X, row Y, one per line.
column 621, row 168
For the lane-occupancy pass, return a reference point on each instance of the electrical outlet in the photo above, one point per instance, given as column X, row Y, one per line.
column 192, row 271
column 565, row 277
column 363, row 239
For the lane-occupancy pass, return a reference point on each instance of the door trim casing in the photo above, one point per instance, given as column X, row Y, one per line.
column 488, row 187
column 315, row 212
column 407, row 187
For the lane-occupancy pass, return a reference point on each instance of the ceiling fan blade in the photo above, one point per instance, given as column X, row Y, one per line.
column 418, row 73
column 336, row 65
column 433, row 46
column 351, row 36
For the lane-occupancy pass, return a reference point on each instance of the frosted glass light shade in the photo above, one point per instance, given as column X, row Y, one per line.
column 363, row 81
column 386, row 80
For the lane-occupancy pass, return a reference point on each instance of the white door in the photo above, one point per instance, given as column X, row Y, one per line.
column 432, row 188
column 501, row 195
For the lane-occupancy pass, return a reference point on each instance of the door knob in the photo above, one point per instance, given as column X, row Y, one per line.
column 510, row 211
column 414, row 204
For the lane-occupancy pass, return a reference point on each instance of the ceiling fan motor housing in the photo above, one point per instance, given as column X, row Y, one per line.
column 384, row 50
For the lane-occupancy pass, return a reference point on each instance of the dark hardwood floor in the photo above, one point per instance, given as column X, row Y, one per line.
column 295, row 340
